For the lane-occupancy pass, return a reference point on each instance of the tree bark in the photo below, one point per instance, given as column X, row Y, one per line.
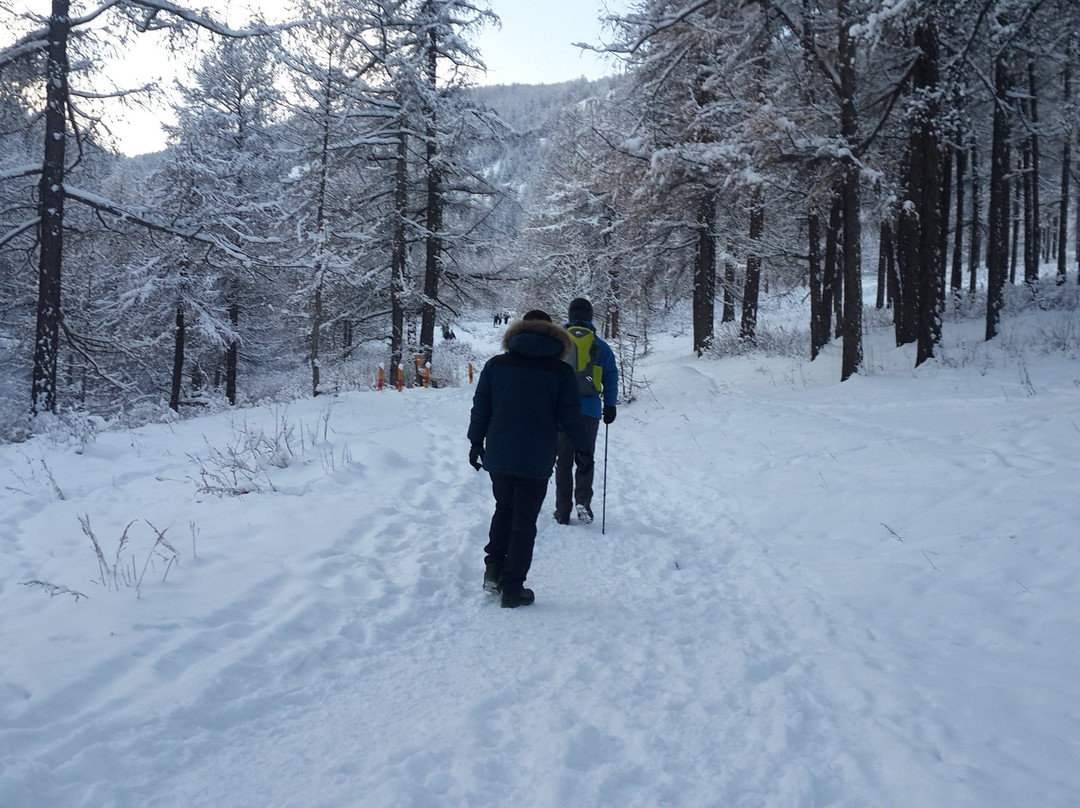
column 399, row 253
column 321, row 247
column 942, row 204
column 830, row 270
column 728, row 315
column 752, row 285
column 1016, row 219
column 180, row 335
column 998, row 237
column 51, row 214
column 892, row 277
column 818, row 340
column 705, row 273
column 926, row 191
column 905, row 310
column 975, row 245
column 884, row 246
column 1066, row 168
column 434, row 214
column 231, row 354
column 956, row 279
column 1031, row 268
column 316, row 331
column 850, row 200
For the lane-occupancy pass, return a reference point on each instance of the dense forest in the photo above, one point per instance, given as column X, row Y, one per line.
column 338, row 191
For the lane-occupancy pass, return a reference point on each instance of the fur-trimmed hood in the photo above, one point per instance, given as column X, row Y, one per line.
column 531, row 337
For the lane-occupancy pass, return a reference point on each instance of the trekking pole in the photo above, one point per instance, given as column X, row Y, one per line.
column 603, row 500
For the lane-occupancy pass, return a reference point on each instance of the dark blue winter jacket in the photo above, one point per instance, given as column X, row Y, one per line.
column 523, row 397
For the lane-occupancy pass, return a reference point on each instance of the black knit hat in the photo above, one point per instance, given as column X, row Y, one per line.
column 580, row 309
column 537, row 314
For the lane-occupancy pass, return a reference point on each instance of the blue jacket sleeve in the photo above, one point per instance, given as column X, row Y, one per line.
column 609, row 375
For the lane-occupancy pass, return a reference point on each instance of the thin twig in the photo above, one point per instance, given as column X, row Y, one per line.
column 895, row 535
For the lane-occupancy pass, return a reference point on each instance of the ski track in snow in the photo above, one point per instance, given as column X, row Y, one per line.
column 694, row 655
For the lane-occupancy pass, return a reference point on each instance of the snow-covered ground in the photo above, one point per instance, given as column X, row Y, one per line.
column 808, row 594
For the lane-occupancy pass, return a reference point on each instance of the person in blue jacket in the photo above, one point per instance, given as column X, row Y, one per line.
column 599, row 388
column 523, row 398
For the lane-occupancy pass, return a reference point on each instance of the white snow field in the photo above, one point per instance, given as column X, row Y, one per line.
column 809, row 593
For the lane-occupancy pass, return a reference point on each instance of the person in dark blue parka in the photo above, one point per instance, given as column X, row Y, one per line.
column 522, row 399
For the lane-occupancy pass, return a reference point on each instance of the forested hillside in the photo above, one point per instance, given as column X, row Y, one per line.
column 337, row 194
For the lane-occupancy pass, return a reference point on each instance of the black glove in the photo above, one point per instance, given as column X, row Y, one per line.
column 609, row 414
column 476, row 456
column 583, row 460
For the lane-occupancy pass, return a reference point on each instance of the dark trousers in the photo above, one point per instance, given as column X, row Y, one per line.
column 571, row 487
column 513, row 527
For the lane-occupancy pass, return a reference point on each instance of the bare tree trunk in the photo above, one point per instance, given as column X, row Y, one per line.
column 321, row 251
column 316, row 331
column 893, row 279
column 434, row 213
column 231, row 354
column 830, row 271
column 1024, row 214
column 852, row 330
column 975, row 246
column 850, row 200
column 178, row 358
column 1016, row 217
column 943, row 204
column 705, row 273
column 956, row 279
column 752, row 285
column 998, row 237
column 1066, row 168
column 884, row 247
column 51, row 214
column 927, row 191
column 614, row 308
column 614, row 313
column 818, row 338
column 729, row 289
column 838, row 288
column 1031, row 268
column 905, row 310
column 398, row 253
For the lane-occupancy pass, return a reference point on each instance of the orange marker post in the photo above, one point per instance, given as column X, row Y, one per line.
column 379, row 384
column 400, row 379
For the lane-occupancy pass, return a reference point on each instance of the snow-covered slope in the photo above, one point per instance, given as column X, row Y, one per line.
column 808, row 594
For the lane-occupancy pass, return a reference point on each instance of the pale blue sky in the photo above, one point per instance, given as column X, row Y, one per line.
column 535, row 44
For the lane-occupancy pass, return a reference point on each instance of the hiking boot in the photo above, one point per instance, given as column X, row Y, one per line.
column 584, row 514
column 524, row 597
column 562, row 518
column 491, row 579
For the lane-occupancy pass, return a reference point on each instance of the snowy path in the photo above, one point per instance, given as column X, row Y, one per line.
column 799, row 602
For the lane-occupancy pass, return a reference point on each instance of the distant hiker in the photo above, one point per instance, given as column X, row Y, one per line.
column 523, row 398
column 497, row 320
column 594, row 364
